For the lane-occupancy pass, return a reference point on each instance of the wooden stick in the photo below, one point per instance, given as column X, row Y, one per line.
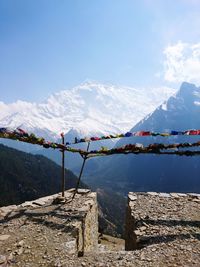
column 63, row 167
column 79, row 178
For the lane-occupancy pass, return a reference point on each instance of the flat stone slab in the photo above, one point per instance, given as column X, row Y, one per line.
column 4, row 237
column 132, row 197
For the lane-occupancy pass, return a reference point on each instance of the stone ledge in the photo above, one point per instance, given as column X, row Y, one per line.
column 49, row 230
column 154, row 218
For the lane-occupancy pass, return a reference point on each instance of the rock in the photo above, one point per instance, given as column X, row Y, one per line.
column 142, row 256
column 83, row 209
column 152, row 193
column 20, row 251
column 174, row 195
column 2, row 259
column 138, row 232
column 39, row 202
column 58, row 264
column 92, row 195
column 59, row 199
column 164, row 195
column 182, row 194
column 194, row 195
column 26, row 204
column 143, row 228
column 2, row 215
column 83, row 191
column 4, row 237
column 196, row 200
column 132, row 197
column 71, row 246
column 21, row 243
column 89, row 202
column 27, row 251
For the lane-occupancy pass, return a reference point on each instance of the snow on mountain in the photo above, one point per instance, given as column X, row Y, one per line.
column 180, row 112
column 7, row 110
column 89, row 109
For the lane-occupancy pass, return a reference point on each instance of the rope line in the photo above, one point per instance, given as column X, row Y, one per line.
column 178, row 153
column 21, row 135
column 134, row 134
column 133, row 148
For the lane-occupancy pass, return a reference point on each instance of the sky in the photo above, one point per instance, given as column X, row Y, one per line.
column 50, row 45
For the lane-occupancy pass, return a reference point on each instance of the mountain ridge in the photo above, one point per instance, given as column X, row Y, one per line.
column 183, row 103
column 24, row 176
column 91, row 108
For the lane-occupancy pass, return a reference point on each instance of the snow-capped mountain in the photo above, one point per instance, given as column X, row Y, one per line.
column 88, row 109
column 154, row 172
column 180, row 112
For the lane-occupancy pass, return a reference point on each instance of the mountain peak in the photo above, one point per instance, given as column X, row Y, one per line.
column 181, row 111
column 188, row 95
column 90, row 108
column 187, row 88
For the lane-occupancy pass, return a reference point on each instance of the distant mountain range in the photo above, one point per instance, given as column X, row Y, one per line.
column 88, row 109
column 125, row 173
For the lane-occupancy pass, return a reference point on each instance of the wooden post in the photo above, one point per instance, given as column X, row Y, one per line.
column 81, row 172
column 63, row 167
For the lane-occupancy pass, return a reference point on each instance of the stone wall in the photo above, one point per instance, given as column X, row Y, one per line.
column 161, row 230
column 42, row 231
column 157, row 218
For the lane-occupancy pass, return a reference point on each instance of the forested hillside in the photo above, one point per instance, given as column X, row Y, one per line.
column 25, row 177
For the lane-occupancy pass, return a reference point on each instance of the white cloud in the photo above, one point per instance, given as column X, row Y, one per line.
column 8, row 109
column 182, row 62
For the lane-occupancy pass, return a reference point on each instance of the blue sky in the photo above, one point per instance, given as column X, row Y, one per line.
column 50, row 45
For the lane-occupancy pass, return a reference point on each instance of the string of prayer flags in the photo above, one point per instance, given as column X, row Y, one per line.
column 135, row 148
column 178, row 153
column 21, row 135
column 138, row 133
